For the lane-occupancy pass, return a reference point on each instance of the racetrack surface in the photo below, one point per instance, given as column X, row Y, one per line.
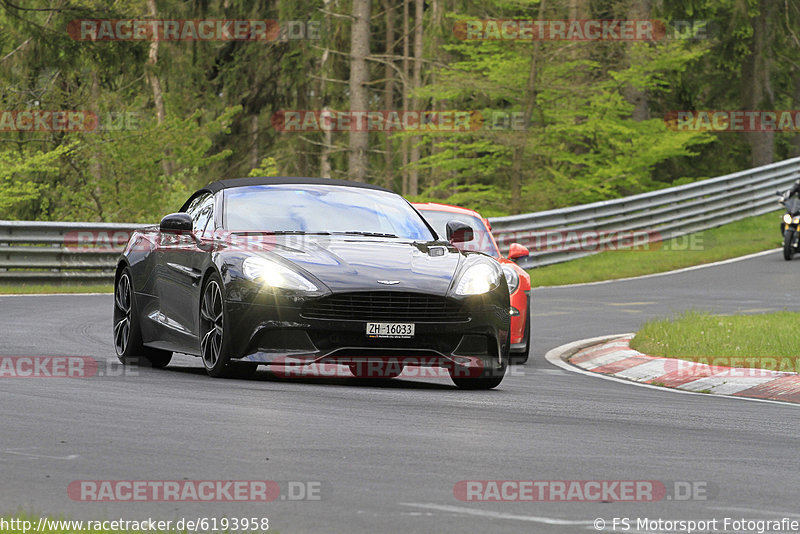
column 388, row 454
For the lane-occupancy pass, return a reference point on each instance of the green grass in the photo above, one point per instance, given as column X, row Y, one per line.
column 26, row 289
column 765, row 341
column 739, row 238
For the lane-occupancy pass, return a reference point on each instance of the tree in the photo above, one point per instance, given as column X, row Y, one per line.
column 359, row 92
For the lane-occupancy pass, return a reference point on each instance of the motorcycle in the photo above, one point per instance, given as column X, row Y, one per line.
column 790, row 225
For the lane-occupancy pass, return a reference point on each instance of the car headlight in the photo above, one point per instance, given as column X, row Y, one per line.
column 512, row 278
column 478, row 279
column 787, row 218
column 274, row 274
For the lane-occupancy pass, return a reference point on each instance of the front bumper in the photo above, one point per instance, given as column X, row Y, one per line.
column 271, row 328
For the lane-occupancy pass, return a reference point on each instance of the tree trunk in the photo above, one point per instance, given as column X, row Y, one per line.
column 796, row 139
column 531, row 95
column 359, row 93
column 325, row 156
column 756, row 86
column 413, row 176
column 155, row 83
column 325, row 153
column 253, row 141
column 388, row 90
column 639, row 10
column 435, row 175
column 406, row 87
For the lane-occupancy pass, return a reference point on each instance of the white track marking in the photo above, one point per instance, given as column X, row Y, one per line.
column 32, row 455
column 496, row 515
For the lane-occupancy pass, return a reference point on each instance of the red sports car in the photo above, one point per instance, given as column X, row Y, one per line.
column 519, row 282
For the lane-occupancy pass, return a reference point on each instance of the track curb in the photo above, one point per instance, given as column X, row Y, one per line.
column 612, row 358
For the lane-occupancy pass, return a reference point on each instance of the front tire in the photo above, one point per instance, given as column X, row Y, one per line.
column 214, row 330
column 523, row 355
column 127, row 333
column 788, row 244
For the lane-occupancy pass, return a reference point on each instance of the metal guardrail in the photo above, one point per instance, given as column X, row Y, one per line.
column 563, row 234
column 60, row 252
column 80, row 253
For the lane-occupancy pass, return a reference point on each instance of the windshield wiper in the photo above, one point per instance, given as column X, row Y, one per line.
column 368, row 234
column 279, row 232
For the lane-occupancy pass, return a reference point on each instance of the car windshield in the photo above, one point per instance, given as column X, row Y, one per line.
column 482, row 242
column 322, row 209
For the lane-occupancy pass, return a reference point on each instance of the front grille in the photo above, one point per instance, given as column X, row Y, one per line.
column 386, row 306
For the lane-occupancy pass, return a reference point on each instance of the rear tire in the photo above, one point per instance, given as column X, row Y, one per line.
column 127, row 333
column 788, row 244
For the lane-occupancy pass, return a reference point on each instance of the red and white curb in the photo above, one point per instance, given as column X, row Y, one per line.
column 612, row 356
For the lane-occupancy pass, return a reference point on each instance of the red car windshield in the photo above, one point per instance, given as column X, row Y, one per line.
column 482, row 242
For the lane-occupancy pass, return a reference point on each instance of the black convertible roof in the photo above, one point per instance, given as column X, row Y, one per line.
column 274, row 180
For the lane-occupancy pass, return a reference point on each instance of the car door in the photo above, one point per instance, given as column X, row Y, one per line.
column 183, row 258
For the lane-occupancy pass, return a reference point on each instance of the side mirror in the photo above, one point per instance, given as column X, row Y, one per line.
column 176, row 222
column 458, row 232
column 517, row 251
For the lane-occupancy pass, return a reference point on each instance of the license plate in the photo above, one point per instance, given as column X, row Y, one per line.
column 390, row 329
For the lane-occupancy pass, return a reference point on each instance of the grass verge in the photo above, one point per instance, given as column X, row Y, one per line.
column 739, row 238
column 27, row 289
column 765, row 341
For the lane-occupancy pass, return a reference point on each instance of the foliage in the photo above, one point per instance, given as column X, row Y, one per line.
column 586, row 138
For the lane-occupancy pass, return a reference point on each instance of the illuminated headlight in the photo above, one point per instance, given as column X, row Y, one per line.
column 512, row 278
column 273, row 274
column 796, row 220
column 478, row 279
column 787, row 218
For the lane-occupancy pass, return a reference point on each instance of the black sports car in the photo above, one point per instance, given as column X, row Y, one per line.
column 276, row 271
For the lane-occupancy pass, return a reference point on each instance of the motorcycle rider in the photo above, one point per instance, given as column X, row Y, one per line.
column 795, row 189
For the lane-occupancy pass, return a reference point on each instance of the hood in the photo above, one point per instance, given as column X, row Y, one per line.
column 359, row 263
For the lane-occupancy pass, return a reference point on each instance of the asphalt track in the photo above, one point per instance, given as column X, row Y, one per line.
column 388, row 454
